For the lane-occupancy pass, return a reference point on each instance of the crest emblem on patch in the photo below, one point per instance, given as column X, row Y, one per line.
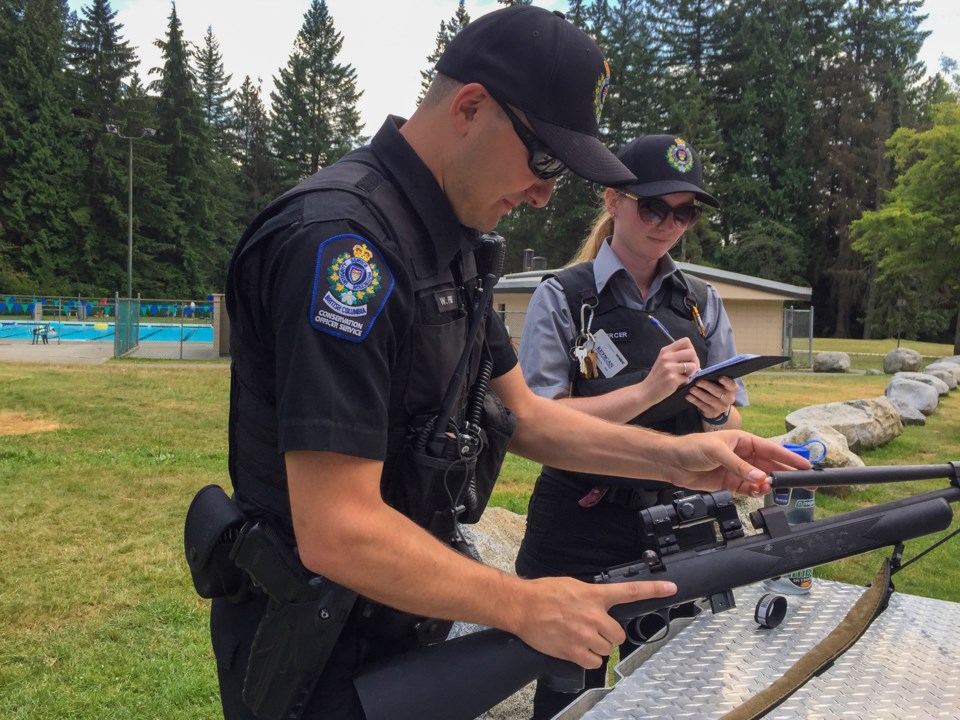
column 603, row 87
column 680, row 156
column 353, row 279
column 349, row 287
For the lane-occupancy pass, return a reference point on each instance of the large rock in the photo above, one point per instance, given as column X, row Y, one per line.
column 909, row 415
column 945, row 375
column 936, row 383
column 497, row 537
column 866, row 424
column 922, row 396
column 901, row 360
column 831, row 362
column 945, row 366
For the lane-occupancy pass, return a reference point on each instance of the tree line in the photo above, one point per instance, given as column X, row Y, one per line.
column 829, row 148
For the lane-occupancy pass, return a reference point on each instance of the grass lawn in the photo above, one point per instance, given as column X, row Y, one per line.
column 98, row 618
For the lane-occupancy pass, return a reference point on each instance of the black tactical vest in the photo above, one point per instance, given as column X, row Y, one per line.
column 639, row 342
column 257, row 469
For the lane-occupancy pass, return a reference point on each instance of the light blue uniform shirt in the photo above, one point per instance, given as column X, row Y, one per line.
column 548, row 330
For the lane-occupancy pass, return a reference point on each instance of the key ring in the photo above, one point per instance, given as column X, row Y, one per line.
column 585, row 321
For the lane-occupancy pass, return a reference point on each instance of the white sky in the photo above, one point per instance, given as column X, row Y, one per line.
column 386, row 41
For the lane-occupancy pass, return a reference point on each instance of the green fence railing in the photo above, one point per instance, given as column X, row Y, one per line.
column 127, row 326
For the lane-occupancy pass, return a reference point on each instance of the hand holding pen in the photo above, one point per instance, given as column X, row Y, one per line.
column 684, row 350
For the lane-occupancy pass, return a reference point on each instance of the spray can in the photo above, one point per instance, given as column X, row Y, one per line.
column 798, row 505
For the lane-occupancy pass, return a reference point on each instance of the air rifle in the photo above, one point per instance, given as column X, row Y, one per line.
column 462, row 678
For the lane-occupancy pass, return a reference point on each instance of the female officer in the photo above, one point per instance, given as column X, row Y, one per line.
column 602, row 304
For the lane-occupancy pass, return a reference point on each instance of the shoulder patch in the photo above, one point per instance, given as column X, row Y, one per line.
column 350, row 287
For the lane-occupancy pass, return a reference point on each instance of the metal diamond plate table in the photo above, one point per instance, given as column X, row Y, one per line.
column 907, row 664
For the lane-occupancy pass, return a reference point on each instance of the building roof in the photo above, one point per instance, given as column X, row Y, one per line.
column 526, row 282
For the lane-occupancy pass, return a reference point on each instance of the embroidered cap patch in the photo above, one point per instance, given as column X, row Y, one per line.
column 351, row 285
column 603, row 87
column 679, row 156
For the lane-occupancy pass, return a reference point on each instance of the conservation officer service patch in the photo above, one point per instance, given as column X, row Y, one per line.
column 351, row 285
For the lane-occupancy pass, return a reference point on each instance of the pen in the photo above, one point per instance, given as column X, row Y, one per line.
column 696, row 316
column 659, row 326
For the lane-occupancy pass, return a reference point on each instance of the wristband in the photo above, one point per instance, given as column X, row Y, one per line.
column 719, row 420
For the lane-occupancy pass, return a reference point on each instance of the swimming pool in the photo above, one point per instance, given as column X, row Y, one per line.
column 103, row 331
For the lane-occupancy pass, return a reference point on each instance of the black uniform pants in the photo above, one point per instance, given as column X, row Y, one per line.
column 232, row 628
column 563, row 538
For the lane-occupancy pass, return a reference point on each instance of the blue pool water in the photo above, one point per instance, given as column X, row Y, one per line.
column 69, row 331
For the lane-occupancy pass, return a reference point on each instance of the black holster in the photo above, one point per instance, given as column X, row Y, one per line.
column 297, row 634
column 228, row 553
column 212, row 525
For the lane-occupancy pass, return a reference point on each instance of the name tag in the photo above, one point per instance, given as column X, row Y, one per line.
column 610, row 361
column 446, row 300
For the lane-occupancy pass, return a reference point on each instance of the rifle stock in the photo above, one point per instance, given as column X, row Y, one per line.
column 460, row 679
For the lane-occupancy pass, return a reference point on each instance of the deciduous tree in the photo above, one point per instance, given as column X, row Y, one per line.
column 916, row 233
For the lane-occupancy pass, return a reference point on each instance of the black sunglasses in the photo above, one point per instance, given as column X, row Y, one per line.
column 543, row 163
column 655, row 211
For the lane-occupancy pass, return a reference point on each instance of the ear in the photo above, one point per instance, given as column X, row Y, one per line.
column 470, row 104
column 610, row 199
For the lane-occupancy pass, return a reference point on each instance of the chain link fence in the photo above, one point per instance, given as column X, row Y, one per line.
column 171, row 329
column 798, row 336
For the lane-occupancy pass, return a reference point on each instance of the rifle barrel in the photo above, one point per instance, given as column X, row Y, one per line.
column 864, row 475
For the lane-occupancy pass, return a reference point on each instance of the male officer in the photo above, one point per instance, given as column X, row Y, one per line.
column 350, row 301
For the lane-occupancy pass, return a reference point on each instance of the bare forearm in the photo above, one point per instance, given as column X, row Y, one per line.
column 552, row 432
column 618, row 406
column 347, row 533
column 557, row 433
column 381, row 556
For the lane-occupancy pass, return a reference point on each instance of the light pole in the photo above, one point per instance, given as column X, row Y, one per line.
column 147, row 132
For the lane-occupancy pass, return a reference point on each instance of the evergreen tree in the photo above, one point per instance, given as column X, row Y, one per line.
column 41, row 163
column 100, row 60
column 192, row 255
column 314, row 105
column 635, row 103
column 11, row 12
column 770, row 52
column 689, row 35
column 688, row 65
column 250, row 150
column 156, row 208
column 445, row 34
column 768, row 250
column 215, row 92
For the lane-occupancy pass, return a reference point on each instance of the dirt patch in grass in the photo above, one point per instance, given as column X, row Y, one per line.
column 13, row 423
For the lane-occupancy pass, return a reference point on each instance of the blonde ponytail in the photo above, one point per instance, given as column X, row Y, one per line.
column 602, row 229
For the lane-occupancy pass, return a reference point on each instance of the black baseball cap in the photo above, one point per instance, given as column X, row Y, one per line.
column 538, row 62
column 664, row 164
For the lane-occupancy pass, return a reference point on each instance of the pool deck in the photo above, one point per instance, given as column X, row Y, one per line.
column 90, row 352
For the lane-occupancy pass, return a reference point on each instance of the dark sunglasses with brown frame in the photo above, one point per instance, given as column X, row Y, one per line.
column 654, row 211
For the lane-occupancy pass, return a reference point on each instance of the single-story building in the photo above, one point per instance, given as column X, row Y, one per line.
column 755, row 305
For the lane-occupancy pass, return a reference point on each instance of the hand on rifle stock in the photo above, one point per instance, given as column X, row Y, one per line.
column 568, row 618
column 730, row 460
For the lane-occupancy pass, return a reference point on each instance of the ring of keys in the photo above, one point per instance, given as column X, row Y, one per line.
column 584, row 349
